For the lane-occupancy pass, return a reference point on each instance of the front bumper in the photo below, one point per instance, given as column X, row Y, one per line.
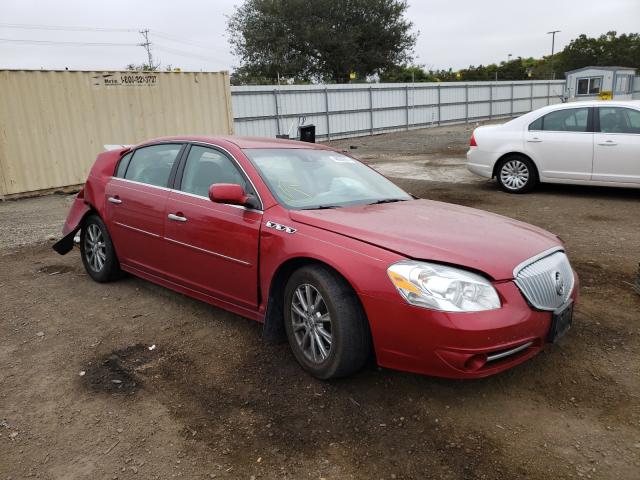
column 458, row 345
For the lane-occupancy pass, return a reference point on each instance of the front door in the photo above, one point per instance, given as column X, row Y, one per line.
column 212, row 248
column 617, row 145
column 135, row 206
column 561, row 144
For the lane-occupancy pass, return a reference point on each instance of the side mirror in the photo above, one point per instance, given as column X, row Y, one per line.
column 231, row 193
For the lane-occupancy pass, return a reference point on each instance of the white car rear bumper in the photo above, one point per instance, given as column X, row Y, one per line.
column 480, row 163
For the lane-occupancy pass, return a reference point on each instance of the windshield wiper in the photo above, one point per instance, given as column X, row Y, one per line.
column 321, row 207
column 387, row 200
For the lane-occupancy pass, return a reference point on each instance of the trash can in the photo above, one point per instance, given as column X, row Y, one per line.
column 307, row 133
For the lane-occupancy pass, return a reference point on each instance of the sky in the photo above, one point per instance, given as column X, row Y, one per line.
column 190, row 34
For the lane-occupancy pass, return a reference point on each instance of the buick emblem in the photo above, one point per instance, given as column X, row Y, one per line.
column 559, row 283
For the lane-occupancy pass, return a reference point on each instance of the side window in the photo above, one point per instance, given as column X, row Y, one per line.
column 206, row 166
column 619, row 120
column 583, row 86
column 536, row 124
column 152, row 165
column 594, row 86
column 566, row 120
column 589, row 86
column 123, row 164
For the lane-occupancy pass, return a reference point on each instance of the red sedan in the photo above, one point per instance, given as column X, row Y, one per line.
column 322, row 248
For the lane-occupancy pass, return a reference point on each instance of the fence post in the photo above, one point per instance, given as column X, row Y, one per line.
column 549, row 93
column 371, row 108
column 466, row 103
column 406, row 97
column 531, row 96
column 490, row 101
column 275, row 97
column 439, row 106
column 511, row 101
column 326, row 108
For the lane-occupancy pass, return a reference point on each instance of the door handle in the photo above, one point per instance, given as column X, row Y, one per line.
column 115, row 200
column 177, row 218
column 534, row 140
column 608, row 143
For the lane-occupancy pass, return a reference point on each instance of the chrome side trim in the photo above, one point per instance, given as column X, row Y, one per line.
column 140, row 183
column 210, row 252
column 137, row 230
column 535, row 258
column 506, row 353
column 173, row 190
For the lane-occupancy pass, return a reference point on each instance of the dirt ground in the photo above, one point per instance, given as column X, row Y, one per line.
column 212, row 400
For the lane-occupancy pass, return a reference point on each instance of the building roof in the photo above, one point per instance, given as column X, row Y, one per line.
column 600, row 68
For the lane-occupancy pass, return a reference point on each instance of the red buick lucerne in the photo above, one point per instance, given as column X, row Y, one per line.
column 321, row 248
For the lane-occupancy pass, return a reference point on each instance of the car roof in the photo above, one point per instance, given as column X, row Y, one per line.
column 529, row 116
column 240, row 142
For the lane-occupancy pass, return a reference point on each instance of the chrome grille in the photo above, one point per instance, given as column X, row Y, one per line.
column 546, row 280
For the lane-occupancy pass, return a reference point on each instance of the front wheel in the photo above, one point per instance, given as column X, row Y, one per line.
column 517, row 174
column 325, row 324
column 98, row 255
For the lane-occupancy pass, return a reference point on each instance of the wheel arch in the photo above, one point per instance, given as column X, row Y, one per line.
column 273, row 329
column 520, row 154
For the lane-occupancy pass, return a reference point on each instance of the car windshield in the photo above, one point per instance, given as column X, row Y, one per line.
column 312, row 179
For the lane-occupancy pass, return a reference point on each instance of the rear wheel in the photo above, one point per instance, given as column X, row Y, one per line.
column 98, row 255
column 517, row 174
column 326, row 326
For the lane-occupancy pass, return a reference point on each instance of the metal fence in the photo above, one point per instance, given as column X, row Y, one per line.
column 636, row 88
column 340, row 111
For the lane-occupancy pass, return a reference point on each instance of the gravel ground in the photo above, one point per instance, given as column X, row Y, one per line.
column 211, row 400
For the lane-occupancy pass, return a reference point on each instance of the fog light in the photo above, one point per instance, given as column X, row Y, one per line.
column 476, row 362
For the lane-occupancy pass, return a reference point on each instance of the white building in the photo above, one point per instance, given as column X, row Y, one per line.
column 591, row 83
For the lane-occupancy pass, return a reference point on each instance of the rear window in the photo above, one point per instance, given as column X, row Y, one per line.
column 565, row 120
column 152, row 165
column 123, row 164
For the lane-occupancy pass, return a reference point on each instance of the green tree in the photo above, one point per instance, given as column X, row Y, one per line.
column 406, row 74
column 610, row 49
column 319, row 39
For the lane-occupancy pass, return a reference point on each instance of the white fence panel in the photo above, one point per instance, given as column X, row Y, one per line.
column 362, row 109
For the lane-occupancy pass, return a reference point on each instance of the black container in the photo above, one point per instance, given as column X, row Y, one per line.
column 307, row 133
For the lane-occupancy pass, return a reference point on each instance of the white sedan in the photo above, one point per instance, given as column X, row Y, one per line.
column 583, row 143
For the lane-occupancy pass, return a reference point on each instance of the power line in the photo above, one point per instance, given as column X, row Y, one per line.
column 55, row 42
column 186, row 54
column 25, row 26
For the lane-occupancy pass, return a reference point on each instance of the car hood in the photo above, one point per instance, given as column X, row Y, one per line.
column 437, row 231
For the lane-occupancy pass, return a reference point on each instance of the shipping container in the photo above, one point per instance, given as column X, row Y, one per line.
column 54, row 123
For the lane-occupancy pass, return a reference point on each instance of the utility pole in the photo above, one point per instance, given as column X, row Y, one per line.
column 553, row 44
column 147, row 46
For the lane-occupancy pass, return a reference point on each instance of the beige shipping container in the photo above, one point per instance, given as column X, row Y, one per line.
column 54, row 123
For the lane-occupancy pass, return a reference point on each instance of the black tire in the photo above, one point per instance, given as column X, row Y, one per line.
column 100, row 269
column 513, row 170
column 350, row 346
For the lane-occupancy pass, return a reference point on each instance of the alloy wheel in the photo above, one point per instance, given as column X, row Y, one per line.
column 95, row 250
column 311, row 323
column 514, row 174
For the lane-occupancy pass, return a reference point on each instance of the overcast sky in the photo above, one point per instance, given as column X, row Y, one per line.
column 452, row 33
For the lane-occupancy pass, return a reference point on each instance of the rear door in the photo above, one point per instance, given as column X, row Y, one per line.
column 617, row 145
column 561, row 143
column 211, row 247
column 136, row 201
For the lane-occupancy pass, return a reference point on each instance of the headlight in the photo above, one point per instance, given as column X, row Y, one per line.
column 439, row 287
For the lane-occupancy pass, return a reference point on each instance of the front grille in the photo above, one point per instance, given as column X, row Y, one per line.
column 546, row 280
